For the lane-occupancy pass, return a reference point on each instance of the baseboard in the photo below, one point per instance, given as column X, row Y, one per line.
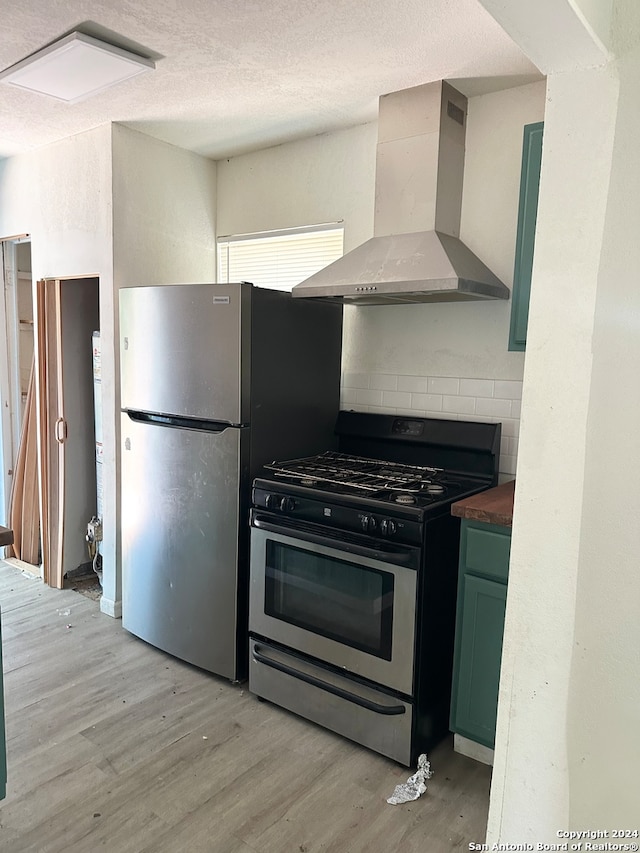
column 36, row 571
column 471, row 749
column 111, row 607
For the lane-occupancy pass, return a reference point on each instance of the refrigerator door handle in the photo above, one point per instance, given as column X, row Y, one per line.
column 179, row 421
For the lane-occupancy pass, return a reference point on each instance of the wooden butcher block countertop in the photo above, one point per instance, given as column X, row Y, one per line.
column 494, row 506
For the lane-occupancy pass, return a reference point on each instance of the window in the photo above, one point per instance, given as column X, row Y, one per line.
column 278, row 259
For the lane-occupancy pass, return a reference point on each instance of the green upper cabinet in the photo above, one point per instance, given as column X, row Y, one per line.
column 525, row 240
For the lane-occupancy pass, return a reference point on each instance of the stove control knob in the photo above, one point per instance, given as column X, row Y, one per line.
column 272, row 501
column 369, row 523
column 387, row 527
column 287, row 504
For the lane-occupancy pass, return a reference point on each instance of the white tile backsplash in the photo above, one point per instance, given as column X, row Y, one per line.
column 383, row 381
column 460, row 405
column 445, row 416
column 369, row 397
column 508, row 388
column 415, row 384
column 510, row 426
column 476, row 387
column 382, row 410
column 507, row 465
column 347, row 397
column 428, row 402
column 355, row 380
column 493, row 408
column 396, row 398
column 455, row 398
column 443, row 385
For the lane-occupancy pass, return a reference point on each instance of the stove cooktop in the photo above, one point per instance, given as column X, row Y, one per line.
column 399, row 484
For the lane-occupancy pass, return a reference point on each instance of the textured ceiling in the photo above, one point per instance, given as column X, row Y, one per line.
column 238, row 75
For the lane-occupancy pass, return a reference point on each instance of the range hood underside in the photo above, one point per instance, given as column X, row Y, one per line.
column 427, row 266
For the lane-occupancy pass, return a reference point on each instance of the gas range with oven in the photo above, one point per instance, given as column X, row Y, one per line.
column 353, row 577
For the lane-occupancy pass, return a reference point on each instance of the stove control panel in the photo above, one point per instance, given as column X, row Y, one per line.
column 403, row 426
column 405, row 526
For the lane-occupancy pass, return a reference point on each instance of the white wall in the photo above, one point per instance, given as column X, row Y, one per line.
column 164, row 212
column 321, row 179
column 164, row 227
column 597, row 18
column 61, row 195
column 567, row 746
column 538, row 639
column 603, row 771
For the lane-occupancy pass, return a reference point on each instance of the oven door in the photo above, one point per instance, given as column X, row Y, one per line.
column 344, row 599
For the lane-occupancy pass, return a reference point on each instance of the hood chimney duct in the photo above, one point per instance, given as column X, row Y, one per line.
column 420, row 160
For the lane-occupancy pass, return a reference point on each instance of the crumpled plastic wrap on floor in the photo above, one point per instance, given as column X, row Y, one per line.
column 415, row 786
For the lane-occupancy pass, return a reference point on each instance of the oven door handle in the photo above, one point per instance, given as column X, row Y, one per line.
column 395, row 555
column 376, row 707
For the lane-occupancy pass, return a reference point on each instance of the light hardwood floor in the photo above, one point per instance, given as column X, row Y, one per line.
column 113, row 745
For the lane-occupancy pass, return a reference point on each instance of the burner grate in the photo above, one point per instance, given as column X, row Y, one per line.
column 360, row 473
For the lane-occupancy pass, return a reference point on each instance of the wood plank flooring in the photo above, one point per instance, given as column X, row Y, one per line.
column 113, row 745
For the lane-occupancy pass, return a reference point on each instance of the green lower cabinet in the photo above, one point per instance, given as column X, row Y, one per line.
column 482, row 594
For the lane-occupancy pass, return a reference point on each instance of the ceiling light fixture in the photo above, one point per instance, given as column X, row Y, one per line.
column 75, row 67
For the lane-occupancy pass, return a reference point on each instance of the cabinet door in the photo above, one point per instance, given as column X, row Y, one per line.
column 476, row 678
column 525, row 240
column 485, row 550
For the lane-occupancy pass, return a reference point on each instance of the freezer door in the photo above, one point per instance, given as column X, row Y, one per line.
column 184, row 350
column 180, row 527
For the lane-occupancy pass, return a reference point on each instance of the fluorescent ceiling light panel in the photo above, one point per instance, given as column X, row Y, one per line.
column 75, row 68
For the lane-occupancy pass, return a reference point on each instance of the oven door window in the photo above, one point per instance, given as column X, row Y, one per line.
column 341, row 600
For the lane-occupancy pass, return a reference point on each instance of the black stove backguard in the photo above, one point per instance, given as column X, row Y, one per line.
column 466, row 447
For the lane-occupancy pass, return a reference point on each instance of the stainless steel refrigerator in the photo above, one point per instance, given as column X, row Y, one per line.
column 216, row 380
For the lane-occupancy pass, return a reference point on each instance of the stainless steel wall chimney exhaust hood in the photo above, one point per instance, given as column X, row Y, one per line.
column 415, row 254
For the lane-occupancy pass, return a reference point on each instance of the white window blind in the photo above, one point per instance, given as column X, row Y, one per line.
column 278, row 259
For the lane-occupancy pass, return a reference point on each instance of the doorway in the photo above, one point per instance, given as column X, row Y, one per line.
column 16, row 384
column 67, row 318
column 48, row 487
